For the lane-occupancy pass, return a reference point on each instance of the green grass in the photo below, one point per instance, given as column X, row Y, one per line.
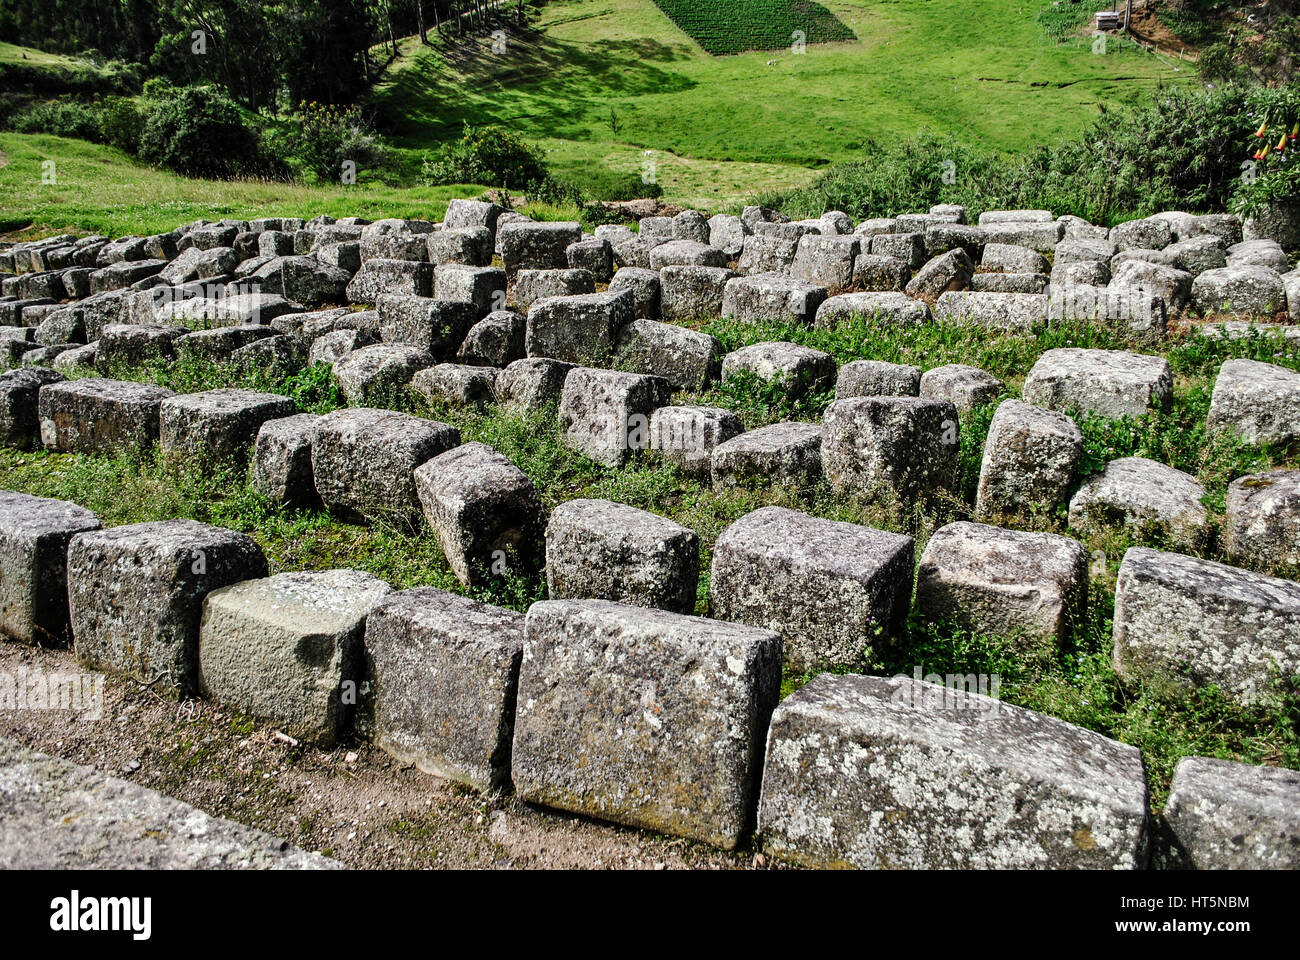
column 1076, row 683
column 102, row 190
column 735, row 26
column 721, row 129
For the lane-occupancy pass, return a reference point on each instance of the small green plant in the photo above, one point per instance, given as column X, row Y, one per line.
column 489, row 155
column 200, row 132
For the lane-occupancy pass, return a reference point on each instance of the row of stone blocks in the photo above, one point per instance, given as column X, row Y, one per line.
column 643, row 717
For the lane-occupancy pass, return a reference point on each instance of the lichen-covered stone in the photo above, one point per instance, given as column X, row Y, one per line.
column 1108, row 383
column 773, row 297
column 495, row 341
column 948, row 271
column 686, row 253
column 1262, row 524
column 1239, row 289
column 834, row 591
column 379, row 372
column 526, row 245
column 965, row 387
column 282, row 469
column 881, row 773
column 687, row 435
column 34, row 537
column 896, row 308
column 778, row 454
column 1185, row 620
column 397, row 278
column 875, row 378
column 1031, row 456
column 443, row 672
column 1222, row 815
column 692, row 293
column 287, row 648
column 579, row 329
column 364, row 460
column 605, row 414
column 906, row 447
column 1008, row 584
column 1014, row 312
column 532, row 385
column 217, row 426
column 135, row 594
column 1258, row 402
column 687, row 359
column 534, row 285
column 800, row 370
column 673, row 713
column 485, row 511
column 646, row 287
column 1152, row 499
column 485, row 287
column 596, row 549
column 826, row 261
column 100, row 416
column 20, row 424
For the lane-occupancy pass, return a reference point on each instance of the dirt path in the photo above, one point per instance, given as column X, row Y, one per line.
column 354, row 803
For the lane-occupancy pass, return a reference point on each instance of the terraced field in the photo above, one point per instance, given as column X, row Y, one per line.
column 734, row 26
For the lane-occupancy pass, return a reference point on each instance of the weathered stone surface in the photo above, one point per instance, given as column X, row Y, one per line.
column 1155, row 500
column 895, row 308
column 333, row 346
column 136, row 592
column 134, row 344
column 965, row 387
column 216, row 345
column 832, row 590
column 1239, row 289
column 645, row 287
column 892, row 773
column 1259, row 402
column 1258, row 253
column 1140, row 313
column 287, row 648
column 309, row 281
column 100, row 416
column 34, row 537
column 879, row 273
column 990, row 217
column 1262, row 525
column 376, row 373
column 1222, row 815
column 80, row 358
column 1198, row 254
column 728, row 233
column 1009, row 258
column 595, row 257
column 363, row 461
column 456, row 384
column 771, row 296
column 485, row 287
column 1108, row 383
column 124, row 274
column 20, row 424
column 687, row 435
column 282, row 460
column 579, row 329
column 674, row 709
column 904, row 446
column 605, row 414
column 462, row 214
column 1010, row 282
column 217, row 426
column 443, row 672
column 532, row 385
column 1017, row 312
column 826, row 261
column 875, row 378
column 686, row 253
column 486, row 513
column 1172, row 285
column 1152, row 233
column 495, row 341
column 948, row 271
column 437, row 327
column 1036, row 235
column 469, row 245
column 536, row 246
column 687, row 359
column 801, row 370
column 1030, row 460
column 1024, row 586
column 534, row 285
column 762, row 254
column 908, row 247
column 59, row 816
column 596, row 549
column 397, row 278
column 1185, row 620
column 781, row 453
column 691, row 292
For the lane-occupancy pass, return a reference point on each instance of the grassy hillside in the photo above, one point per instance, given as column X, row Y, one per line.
column 600, row 81
column 103, row 190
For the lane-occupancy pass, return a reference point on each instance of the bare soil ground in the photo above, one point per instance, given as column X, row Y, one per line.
column 354, row 803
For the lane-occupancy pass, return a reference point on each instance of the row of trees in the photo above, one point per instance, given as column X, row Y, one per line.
column 262, row 52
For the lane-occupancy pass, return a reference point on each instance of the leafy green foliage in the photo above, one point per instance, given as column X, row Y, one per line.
column 199, row 132
column 492, row 155
column 63, row 118
column 734, row 26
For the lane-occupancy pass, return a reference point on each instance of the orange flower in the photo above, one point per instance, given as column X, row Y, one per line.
column 1281, row 144
column 1262, row 128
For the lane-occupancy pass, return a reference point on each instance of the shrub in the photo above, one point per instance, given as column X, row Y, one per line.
column 63, row 118
column 320, row 138
column 492, row 156
column 121, row 124
column 199, row 132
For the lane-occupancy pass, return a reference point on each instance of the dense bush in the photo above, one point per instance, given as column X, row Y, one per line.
column 492, row 156
column 1183, row 149
column 121, row 123
column 199, row 132
column 318, row 139
column 63, row 118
